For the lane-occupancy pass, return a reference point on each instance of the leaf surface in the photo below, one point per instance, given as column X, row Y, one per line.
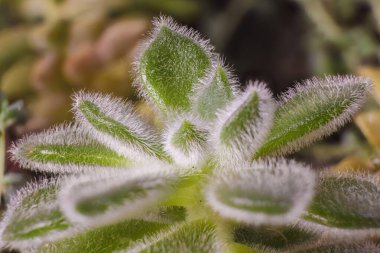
column 113, row 122
column 33, row 216
column 103, row 198
column 186, row 141
column 312, row 110
column 266, row 192
column 243, row 125
column 65, row 149
column 173, row 60
column 214, row 92
column 345, row 204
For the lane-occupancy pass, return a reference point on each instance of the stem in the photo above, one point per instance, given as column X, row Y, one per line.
column 2, row 160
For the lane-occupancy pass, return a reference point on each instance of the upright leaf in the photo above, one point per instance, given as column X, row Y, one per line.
column 214, row 92
column 244, row 124
column 172, row 60
column 312, row 110
column 186, row 141
column 102, row 198
column 33, row 217
column 345, row 205
column 264, row 192
column 114, row 123
column 65, row 149
column 196, row 236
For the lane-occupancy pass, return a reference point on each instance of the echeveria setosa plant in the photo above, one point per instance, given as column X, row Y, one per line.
column 212, row 179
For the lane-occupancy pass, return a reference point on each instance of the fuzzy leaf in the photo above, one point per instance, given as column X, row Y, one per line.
column 102, row 198
column 105, row 239
column 114, row 123
column 273, row 238
column 65, row 149
column 171, row 62
column 196, row 236
column 33, row 217
column 264, row 192
column 345, row 204
column 186, row 141
column 312, row 110
column 243, row 125
column 214, row 92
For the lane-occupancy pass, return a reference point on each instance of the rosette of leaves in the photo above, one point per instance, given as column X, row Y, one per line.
column 211, row 181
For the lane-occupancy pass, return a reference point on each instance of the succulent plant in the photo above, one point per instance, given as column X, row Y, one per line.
column 213, row 179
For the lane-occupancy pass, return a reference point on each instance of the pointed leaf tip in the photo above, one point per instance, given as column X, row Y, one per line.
column 186, row 141
column 214, row 92
column 244, row 123
column 173, row 59
column 312, row 110
column 264, row 192
column 65, row 149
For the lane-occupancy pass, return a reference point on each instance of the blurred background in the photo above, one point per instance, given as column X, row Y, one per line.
column 52, row 48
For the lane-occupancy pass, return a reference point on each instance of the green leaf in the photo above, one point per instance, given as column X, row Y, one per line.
column 186, row 141
column 312, row 110
column 214, row 92
column 33, row 216
column 273, row 238
column 105, row 239
column 114, row 123
column 101, row 198
column 264, row 192
column 172, row 61
column 65, row 149
column 345, row 204
column 196, row 236
column 243, row 125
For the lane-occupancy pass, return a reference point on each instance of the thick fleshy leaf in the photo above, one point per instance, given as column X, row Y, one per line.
column 114, row 123
column 244, row 124
column 186, row 141
column 33, row 217
column 312, row 110
column 273, row 238
column 214, row 92
column 102, row 198
column 111, row 238
column 196, row 236
column 345, row 204
column 264, row 192
column 173, row 59
column 65, row 149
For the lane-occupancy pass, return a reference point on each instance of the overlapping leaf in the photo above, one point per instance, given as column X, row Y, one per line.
column 312, row 110
column 102, row 198
column 113, row 122
column 173, row 59
column 65, row 149
column 214, row 92
column 264, row 192
column 33, row 217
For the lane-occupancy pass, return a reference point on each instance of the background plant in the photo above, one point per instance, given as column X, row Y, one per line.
column 213, row 179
